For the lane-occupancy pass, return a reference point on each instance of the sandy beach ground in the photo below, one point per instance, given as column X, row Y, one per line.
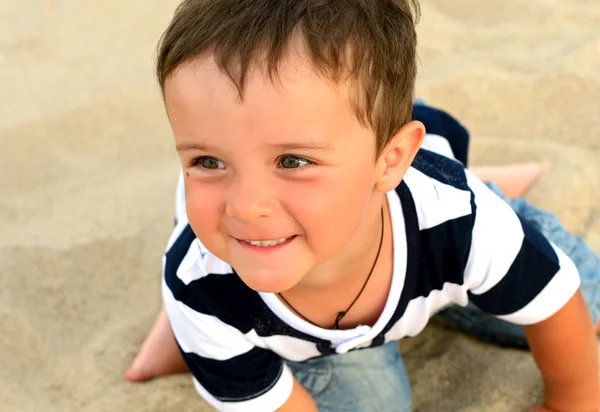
column 87, row 175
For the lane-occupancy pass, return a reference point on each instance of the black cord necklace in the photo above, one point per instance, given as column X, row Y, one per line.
column 341, row 315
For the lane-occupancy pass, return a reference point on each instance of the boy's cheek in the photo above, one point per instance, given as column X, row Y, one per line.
column 202, row 215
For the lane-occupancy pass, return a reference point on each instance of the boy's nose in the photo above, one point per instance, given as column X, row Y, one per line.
column 248, row 201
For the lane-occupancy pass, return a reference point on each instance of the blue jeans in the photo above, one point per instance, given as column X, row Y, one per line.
column 366, row 380
column 374, row 379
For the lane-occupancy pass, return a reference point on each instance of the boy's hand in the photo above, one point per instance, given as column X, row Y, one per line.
column 565, row 349
column 542, row 408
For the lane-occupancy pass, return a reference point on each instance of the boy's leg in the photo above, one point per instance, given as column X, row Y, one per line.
column 514, row 179
column 364, row 380
column 473, row 321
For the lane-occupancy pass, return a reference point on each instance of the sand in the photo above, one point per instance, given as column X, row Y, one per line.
column 87, row 174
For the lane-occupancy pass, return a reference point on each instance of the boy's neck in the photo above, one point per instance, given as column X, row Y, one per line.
column 320, row 301
column 354, row 262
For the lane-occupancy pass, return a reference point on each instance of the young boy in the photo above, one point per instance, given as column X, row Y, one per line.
column 317, row 234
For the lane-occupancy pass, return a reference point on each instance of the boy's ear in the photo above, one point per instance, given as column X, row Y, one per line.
column 398, row 155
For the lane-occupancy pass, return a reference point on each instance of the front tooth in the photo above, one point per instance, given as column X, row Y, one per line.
column 264, row 243
column 271, row 242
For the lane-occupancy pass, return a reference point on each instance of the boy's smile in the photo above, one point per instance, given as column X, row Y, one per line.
column 282, row 183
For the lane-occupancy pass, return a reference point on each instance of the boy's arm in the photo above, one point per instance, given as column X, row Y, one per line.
column 299, row 401
column 565, row 350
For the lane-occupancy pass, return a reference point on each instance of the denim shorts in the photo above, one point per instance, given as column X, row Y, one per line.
column 375, row 379
column 366, row 380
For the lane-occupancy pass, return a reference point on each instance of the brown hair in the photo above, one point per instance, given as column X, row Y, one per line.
column 370, row 42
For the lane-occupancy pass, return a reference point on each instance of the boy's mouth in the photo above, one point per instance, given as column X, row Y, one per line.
column 267, row 243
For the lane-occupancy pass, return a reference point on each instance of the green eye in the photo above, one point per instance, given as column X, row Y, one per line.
column 210, row 163
column 293, row 162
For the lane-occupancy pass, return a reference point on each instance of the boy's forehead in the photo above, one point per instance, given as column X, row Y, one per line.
column 298, row 95
column 295, row 76
column 300, row 109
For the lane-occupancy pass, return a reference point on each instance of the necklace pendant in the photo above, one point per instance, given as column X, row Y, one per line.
column 338, row 318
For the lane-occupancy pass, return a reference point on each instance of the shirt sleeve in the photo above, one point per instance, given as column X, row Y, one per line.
column 230, row 370
column 512, row 271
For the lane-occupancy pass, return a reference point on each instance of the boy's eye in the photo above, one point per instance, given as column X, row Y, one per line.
column 209, row 163
column 293, row 162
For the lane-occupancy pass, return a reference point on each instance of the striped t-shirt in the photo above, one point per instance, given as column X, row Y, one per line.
column 454, row 241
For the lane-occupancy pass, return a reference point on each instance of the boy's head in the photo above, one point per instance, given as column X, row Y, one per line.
column 291, row 118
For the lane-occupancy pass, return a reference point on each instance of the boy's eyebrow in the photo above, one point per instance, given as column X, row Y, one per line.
column 183, row 147
column 303, row 146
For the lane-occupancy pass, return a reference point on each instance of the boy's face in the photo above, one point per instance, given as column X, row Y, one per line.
column 290, row 163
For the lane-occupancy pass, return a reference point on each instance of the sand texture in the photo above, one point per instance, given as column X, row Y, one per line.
column 88, row 170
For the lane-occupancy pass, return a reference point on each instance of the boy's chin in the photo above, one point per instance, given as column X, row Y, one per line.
column 268, row 283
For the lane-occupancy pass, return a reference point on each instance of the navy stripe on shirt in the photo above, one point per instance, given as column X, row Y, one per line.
column 532, row 270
